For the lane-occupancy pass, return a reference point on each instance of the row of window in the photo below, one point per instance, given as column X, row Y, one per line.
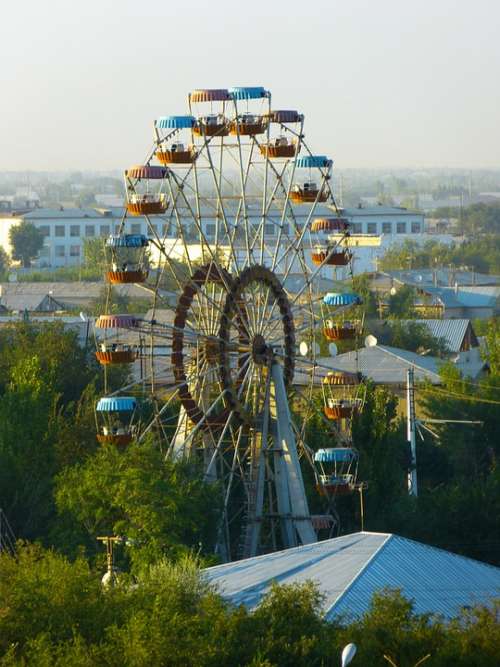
column 60, row 251
column 386, row 228
column 90, row 231
column 269, row 229
column 356, row 228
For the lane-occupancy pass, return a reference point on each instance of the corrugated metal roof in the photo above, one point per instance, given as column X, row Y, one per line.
column 453, row 331
column 468, row 296
column 67, row 290
column 349, row 569
column 442, row 277
column 438, row 581
column 476, row 296
column 386, row 365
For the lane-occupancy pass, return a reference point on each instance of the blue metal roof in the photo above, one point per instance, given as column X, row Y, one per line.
column 452, row 330
column 127, row 241
column 310, row 161
column 175, row 122
column 338, row 299
column 335, row 455
column 116, row 404
column 388, row 365
column 248, row 93
column 349, row 569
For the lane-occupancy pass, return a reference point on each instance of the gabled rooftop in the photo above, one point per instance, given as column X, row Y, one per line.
column 386, row 365
column 349, row 569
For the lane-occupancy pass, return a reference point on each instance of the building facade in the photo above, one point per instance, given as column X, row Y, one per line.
column 65, row 230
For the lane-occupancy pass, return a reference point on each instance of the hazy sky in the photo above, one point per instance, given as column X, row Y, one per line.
column 381, row 82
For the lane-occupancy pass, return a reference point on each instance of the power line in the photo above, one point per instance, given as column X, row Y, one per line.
column 472, row 399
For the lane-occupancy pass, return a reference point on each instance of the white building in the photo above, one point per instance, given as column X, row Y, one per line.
column 66, row 229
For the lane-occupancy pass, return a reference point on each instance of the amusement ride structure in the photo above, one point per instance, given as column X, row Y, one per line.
column 242, row 229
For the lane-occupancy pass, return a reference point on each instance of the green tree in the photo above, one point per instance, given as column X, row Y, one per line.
column 492, row 351
column 412, row 336
column 162, row 507
column 289, row 626
column 402, row 303
column 4, row 263
column 26, row 241
column 391, row 627
column 27, row 428
column 94, row 254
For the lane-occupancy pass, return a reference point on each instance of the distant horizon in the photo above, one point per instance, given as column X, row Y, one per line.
column 119, row 170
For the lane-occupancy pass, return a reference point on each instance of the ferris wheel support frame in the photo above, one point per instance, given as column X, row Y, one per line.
column 278, row 438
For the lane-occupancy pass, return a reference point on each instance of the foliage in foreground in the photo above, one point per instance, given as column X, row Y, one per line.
column 55, row 612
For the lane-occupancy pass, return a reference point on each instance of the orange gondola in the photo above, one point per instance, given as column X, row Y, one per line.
column 345, row 331
column 211, row 125
column 279, row 148
column 248, row 125
column 109, row 355
column 140, row 202
column 126, row 277
column 342, row 408
column 332, row 257
column 176, row 154
column 115, row 419
column 307, row 193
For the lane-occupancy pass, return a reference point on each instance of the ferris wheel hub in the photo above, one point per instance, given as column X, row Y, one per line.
column 261, row 352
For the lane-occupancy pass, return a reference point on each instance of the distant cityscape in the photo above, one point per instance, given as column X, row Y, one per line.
column 392, row 204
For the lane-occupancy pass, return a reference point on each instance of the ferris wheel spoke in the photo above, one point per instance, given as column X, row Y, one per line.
column 220, row 206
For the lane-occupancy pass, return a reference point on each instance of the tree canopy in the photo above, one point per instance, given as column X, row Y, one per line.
column 55, row 612
column 481, row 253
column 26, row 241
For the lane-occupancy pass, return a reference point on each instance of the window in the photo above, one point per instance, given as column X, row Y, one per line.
column 135, row 228
column 60, row 251
column 210, row 229
column 415, row 228
column 154, row 228
column 60, row 230
column 371, row 228
column 44, row 252
column 268, row 230
column 45, row 229
column 401, row 227
column 164, row 230
column 286, row 229
column 357, row 228
column 89, row 230
column 105, row 230
column 74, row 230
column 386, row 228
column 74, row 251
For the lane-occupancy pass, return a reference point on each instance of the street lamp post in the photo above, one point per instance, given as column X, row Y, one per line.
column 348, row 654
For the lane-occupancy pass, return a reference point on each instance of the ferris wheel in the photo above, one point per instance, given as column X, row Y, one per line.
column 241, row 232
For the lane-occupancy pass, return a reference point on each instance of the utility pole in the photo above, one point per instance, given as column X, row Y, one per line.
column 411, row 427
